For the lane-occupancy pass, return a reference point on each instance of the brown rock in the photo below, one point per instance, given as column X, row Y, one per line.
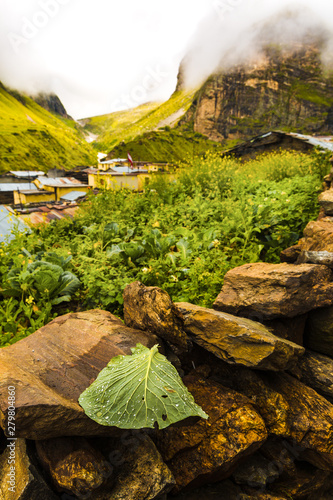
column 267, row 291
column 139, row 472
column 309, row 418
column 291, row 254
column 73, row 464
column 319, row 331
column 209, row 450
column 53, row 366
column 224, row 490
column 325, row 200
column 237, row 340
column 288, row 328
column 256, row 472
column 152, row 310
column 318, row 236
column 28, row 483
column 316, row 371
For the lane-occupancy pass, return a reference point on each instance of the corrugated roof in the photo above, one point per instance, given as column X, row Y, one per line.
column 27, row 173
column 73, row 195
column 60, row 182
column 313, row 141
column 45, row 215
column 8, row 221
column 29, row 186
column 114, row 160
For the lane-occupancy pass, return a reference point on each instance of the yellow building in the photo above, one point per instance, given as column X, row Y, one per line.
column 33, row 196
column 60, row 186
column 136, row 180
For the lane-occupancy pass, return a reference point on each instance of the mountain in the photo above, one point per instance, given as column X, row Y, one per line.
column 32, row 138
column 286, row 89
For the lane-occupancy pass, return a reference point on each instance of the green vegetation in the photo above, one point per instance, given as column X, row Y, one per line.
column 138, row 392
column 128, row 125
column 182, row 234
column 31, row 138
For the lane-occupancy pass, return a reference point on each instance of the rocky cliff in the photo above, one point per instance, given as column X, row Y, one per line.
column 286, row 89
column 51, row 103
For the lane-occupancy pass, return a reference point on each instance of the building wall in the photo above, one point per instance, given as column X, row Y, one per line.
column 135, row 182
column 32, row 198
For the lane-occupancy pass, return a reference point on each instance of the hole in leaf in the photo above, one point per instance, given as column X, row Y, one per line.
column 164, row 417
column 164, row 396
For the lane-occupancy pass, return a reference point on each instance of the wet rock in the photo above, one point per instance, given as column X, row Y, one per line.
column 151, row 309
column 268, row 291
column 321, row 258
column 325, row 200
column 73, row 464
column 316, row 371
column 305, row 483
column 288, row 328
column 209, row 450
column 21, row 480
column 53, row 366
column 319, row 331
column 256, row 472
column 225, row 490
column 139, row 472
column 237, row 340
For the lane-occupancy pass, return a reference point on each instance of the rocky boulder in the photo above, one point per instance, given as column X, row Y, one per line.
column 209, row 450
column 237, row 340
column 318, row 236
column 316, row 371
column 267, row 291
column 53, row 366
column 326, row 201
column 152, row 310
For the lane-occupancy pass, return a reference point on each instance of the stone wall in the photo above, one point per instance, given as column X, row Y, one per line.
column 259, row 364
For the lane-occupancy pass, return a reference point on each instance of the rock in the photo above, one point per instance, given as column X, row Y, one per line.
column 316, row 371
column 268, row 291
column 73, row 464
column 139, row 472
column 318, row 236
column 322, row 258
column 256, row 472
column 237, row 340
column 288, row 328
column 325, row 200
column 291, row 254
column 209, row 450
column 151, row 309
column 309, row 418
column 319, row 331
column 53, row 366
column 22, row 476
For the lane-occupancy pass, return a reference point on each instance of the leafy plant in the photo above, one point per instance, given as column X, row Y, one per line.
column 139, row 391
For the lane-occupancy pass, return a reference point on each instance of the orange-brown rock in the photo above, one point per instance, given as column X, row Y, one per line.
column 316, row 371
column 267, row 291
column 53, row 366
column 237, row 340
column 20, row 479
column 73, row 464
column 151, row 309
column 209, row 450
column 318, row 236
column 139, row 472
column 288, row 328
column 325, row 200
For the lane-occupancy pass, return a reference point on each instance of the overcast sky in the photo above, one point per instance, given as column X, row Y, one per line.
column 104, row 55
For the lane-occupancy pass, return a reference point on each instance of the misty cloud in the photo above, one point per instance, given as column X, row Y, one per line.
column 235, row 32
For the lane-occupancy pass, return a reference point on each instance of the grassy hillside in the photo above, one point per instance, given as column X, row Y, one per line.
column 32, row 138
column 168, row 145
column 127, row 125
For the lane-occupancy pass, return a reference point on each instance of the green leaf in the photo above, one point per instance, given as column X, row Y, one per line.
column 139, row 391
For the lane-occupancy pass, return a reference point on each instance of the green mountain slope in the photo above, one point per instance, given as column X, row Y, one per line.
column 33, row 138
column 127, row 125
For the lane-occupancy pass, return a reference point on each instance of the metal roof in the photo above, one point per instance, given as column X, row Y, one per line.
column 29, row 186
column 73, row 195
column 60, row 182
column 27, row 173
column 8, row 221
column 114, row 160
column 313, row 141
column 45, row 214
